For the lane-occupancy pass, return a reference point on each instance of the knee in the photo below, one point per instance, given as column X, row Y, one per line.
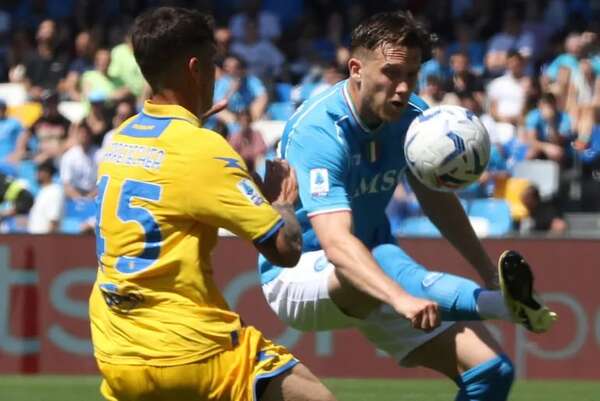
column 490, row 381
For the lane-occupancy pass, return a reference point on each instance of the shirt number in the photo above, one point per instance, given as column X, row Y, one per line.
column 132, row 189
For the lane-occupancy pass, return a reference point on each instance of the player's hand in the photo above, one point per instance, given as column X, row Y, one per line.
column 217, row 107
column 280, row 183
column 422, row 313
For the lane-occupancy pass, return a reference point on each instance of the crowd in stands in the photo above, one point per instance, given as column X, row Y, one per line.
column 529, row 69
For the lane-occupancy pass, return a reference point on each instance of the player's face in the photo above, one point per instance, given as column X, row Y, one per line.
column 389, row 76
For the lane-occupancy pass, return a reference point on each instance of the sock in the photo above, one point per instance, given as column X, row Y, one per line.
column 456, row 296
column 491, row 305
column 489, row 381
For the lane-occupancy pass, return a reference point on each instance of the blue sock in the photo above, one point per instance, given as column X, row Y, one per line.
column 456, row 296
column 489, row 381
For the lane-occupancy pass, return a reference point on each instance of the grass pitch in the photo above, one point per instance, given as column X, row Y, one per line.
column 85, row 388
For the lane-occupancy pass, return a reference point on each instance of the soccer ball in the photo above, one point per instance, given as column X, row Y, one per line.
column 447, row 148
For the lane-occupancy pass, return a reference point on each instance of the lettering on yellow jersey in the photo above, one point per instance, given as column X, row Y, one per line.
column 143, row 127
column 134, row 155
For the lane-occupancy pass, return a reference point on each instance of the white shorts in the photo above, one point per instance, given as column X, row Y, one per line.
column 300, row 298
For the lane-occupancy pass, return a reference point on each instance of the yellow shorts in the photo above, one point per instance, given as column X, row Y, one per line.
column 232, row 375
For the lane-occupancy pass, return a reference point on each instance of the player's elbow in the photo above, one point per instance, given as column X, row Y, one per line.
column 282, row 249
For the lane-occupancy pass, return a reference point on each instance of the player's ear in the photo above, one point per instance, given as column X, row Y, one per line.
column 193, row 67
column 355, row 68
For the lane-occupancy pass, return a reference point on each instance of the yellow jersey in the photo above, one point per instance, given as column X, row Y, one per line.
column 165, row 186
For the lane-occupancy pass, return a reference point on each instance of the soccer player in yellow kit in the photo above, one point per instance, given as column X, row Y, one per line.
column 160, row 327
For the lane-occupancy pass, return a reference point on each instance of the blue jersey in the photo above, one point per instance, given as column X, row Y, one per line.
column 342, row 165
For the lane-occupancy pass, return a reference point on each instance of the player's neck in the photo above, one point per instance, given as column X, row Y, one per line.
column 363, row 111
column 169, row 96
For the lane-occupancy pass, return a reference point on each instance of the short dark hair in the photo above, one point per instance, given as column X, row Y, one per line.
column 163, row 35
column 548, row 97
column 514, row 53
column 394, row 28
column 48, row 166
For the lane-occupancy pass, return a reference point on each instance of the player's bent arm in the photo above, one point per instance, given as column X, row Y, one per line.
column 446, row 213
column 353, row 260
column 284, row 248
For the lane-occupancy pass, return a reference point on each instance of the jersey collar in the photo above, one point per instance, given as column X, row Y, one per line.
column 170, row 111
column 356, row 121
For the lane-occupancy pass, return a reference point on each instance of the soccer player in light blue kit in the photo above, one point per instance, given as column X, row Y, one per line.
column 346, row 146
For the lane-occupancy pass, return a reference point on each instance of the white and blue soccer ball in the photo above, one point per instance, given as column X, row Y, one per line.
column 447, row 148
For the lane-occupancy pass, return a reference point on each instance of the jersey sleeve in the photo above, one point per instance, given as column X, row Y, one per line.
column 222, row 194
column 320, row 160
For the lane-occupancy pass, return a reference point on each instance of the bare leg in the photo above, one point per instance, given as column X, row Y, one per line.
column 456, row 350
column 297, row 384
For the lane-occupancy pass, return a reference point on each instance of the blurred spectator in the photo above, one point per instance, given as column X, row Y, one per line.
column 261, row 56
column 19, row 51
column 544, row 216
column 98, row 82
column 248, row 142
column 223, row 41
column 10, row 129
column 48, row 137
column 320, row 79
column 47, row 210
column 124, row 110
column 436, row 66
column 267, row 23
column 85, row 49
column 244, row 91
column 465, row 43
column 44, row 67
column 568, row 60
column 79, row 164
column 16, row 200
column 5, row 25
column 548, row 130
column 589, row 154
column 433, row 92
column 512, row 38
column 506, row 94
column 97, row 118
column 124, row 69
column 463, row 81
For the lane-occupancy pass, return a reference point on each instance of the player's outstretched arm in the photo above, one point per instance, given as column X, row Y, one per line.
column 355, row 264
column 445, row 211
column 281, row 189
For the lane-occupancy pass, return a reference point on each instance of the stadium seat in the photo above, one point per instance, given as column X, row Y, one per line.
column 419, row 226
column 495, row 211
column 511, row 191
column 544, row 174
column 70, row 225
column 82, row 209
column 583, row 224
column 283, row 92
column 26, row 113
column 281, row 110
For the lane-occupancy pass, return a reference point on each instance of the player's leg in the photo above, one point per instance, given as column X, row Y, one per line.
column 468, row 354
column 463, row 299
column 297, row 384
column 302, row 296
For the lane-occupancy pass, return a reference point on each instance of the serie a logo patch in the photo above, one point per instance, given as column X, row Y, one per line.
column 249, row 190
column 319, row 182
